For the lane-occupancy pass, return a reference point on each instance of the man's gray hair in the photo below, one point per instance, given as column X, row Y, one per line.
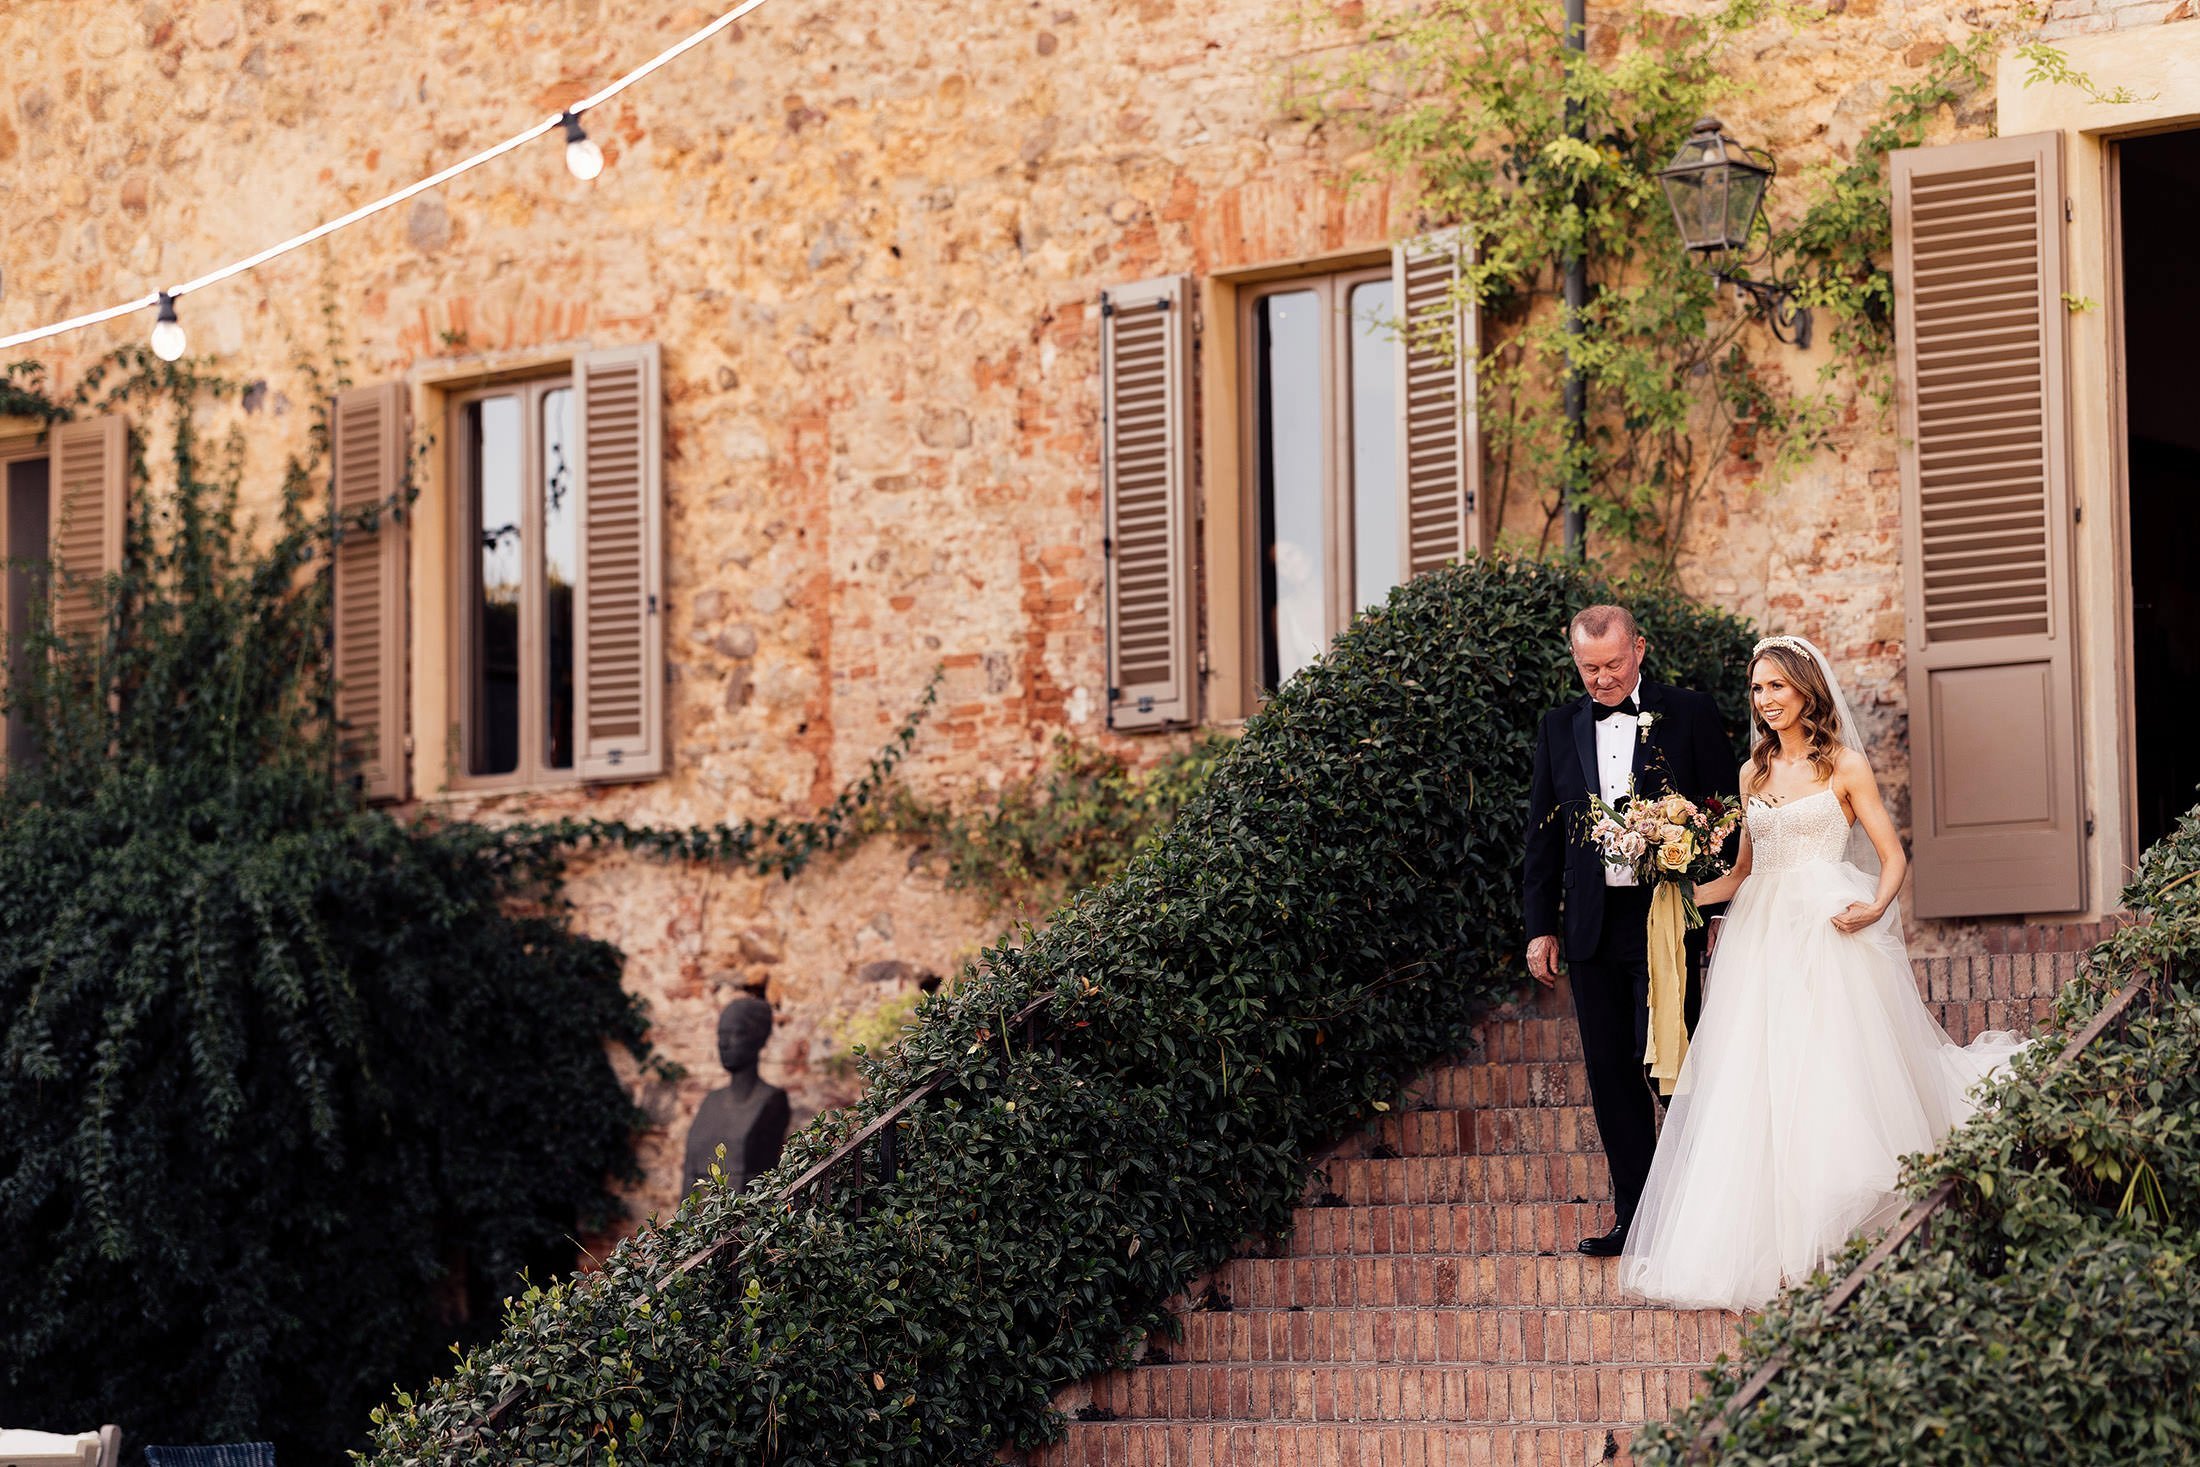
column 1598, row 621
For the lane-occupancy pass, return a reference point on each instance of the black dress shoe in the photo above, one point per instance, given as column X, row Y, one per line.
column 1606, row 1245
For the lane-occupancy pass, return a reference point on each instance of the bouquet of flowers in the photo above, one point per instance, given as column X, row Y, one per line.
column 1665, row 839
column 1670, row 843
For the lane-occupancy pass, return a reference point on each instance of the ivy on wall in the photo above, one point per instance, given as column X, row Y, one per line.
column 1473, row 107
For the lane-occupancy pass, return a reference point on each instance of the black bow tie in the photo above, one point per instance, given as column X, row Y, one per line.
column 1606, row 710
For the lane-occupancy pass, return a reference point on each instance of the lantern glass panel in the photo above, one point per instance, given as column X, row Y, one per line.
column 1745, row 189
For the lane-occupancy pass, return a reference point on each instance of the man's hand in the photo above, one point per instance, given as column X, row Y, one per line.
column 1543, row 960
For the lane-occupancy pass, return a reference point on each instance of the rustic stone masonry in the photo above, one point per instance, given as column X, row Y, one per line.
column 1427, row 1308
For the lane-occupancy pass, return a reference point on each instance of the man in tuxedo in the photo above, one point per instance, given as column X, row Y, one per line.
column 1623, row 733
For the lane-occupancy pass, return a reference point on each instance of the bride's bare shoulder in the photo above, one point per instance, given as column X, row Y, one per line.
column 1851, row 765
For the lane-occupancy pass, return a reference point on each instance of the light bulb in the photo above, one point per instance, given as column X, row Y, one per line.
column 582, row 155
column 168, row 338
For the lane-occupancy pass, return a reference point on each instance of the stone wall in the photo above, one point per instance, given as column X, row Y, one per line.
column 871, row 239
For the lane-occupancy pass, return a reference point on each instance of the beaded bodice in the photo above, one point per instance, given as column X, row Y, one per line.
column 1798, row 833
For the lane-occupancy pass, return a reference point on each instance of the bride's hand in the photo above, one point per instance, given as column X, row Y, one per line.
column 1857, row 916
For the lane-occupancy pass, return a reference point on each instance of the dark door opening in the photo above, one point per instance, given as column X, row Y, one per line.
column 2159, row 184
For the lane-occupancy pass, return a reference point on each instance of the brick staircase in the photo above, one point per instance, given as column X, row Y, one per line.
column 1427, row 1308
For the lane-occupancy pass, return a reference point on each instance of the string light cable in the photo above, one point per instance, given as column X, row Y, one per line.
column 583, row 157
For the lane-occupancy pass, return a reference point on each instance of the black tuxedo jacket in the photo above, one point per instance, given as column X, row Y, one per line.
column 1562, row 882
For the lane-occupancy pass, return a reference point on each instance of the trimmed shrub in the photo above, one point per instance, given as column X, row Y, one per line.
column 2052, row 1316
column 1329, row 914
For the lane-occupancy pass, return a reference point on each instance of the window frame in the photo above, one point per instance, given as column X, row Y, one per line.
column 533, row 770
column 1334, row 289
column 18, row 448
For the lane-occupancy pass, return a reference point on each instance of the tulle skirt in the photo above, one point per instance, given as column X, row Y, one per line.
column 1814, row 1069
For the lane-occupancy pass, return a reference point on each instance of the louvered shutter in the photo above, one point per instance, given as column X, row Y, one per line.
column 619, row 651
column 87, row 498
column 1439, row 457
column 1981, row 383
column 1146, row 457
column 368, row 443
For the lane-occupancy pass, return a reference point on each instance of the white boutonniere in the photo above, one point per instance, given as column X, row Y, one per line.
column 1642, row 725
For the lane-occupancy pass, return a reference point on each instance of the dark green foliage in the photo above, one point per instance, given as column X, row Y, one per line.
column 1071, row 826
column 289, row 1089
column 1326, row 916
column 2051, row 1319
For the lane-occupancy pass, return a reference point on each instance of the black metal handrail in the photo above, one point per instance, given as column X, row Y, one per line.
column 1918, row 1220
column 883, row 1127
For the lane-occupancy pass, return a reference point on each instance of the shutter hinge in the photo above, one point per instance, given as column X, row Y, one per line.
column 2077, row 513
column 1107, row 547
column 2089, row 825
column 1107, row 307
column 1114, row 692
column 2069, row 212
column 652, row 603
column 1161, row 304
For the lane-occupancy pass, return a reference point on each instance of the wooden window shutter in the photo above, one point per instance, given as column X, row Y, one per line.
column 1981, row 384
column 1146, row 458
column 1439, row 453
column 368, row 443
column 618, row 607
column 88, row 508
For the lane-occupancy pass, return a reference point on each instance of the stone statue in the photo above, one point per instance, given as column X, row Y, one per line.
column 748, row 1117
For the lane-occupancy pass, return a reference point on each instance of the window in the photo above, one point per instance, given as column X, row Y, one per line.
column 518, row 565
column 1321, row 396
column 1337, row 456
column 28, row 503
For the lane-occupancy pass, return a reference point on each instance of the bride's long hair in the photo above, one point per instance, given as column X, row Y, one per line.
column 1819, row 721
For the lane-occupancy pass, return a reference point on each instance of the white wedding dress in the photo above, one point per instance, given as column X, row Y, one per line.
column 1814, row 1069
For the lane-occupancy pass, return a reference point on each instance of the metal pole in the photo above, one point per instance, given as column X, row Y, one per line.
column 1577, row 297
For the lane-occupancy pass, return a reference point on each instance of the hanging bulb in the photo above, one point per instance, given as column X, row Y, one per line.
column 581, row 153
column 168, row 339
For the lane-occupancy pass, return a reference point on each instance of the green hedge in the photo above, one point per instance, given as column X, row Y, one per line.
column 2055, row 1315
column 1330, row 914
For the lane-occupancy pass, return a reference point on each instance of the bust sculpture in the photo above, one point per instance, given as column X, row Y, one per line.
column 746, row 1116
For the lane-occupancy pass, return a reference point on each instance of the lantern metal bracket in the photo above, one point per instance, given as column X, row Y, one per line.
column 1789, row 322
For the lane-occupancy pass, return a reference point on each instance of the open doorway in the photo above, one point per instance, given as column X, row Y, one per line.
column 2158, row 184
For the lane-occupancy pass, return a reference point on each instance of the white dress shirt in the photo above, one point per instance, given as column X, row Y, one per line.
column 1616, row 735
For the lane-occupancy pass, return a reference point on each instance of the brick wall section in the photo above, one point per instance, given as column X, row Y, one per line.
column 1427, row 1307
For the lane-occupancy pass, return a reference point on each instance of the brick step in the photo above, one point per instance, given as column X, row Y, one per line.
column 1564, row 1278
column 1512, row 1034
column 1543, row 1335
column 1266, row 1444
column 1491, row 1395
column 1515, row 1130
column 1395, row 1181
column 1499, row 1084
column 1470, row 1228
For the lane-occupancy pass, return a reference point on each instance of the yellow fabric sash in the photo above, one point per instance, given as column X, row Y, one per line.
column 1668, row 986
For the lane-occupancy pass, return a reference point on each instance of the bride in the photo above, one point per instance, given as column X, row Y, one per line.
column 1814, row 1067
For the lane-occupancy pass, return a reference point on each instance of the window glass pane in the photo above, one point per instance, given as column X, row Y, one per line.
column 1287, row 361
column 493, row 450
column 561, row 568
column 1374, row 349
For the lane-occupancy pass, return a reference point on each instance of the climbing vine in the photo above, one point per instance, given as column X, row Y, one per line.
column 1478, row 109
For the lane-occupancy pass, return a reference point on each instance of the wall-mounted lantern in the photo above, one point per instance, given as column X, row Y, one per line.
column 1716, row 188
